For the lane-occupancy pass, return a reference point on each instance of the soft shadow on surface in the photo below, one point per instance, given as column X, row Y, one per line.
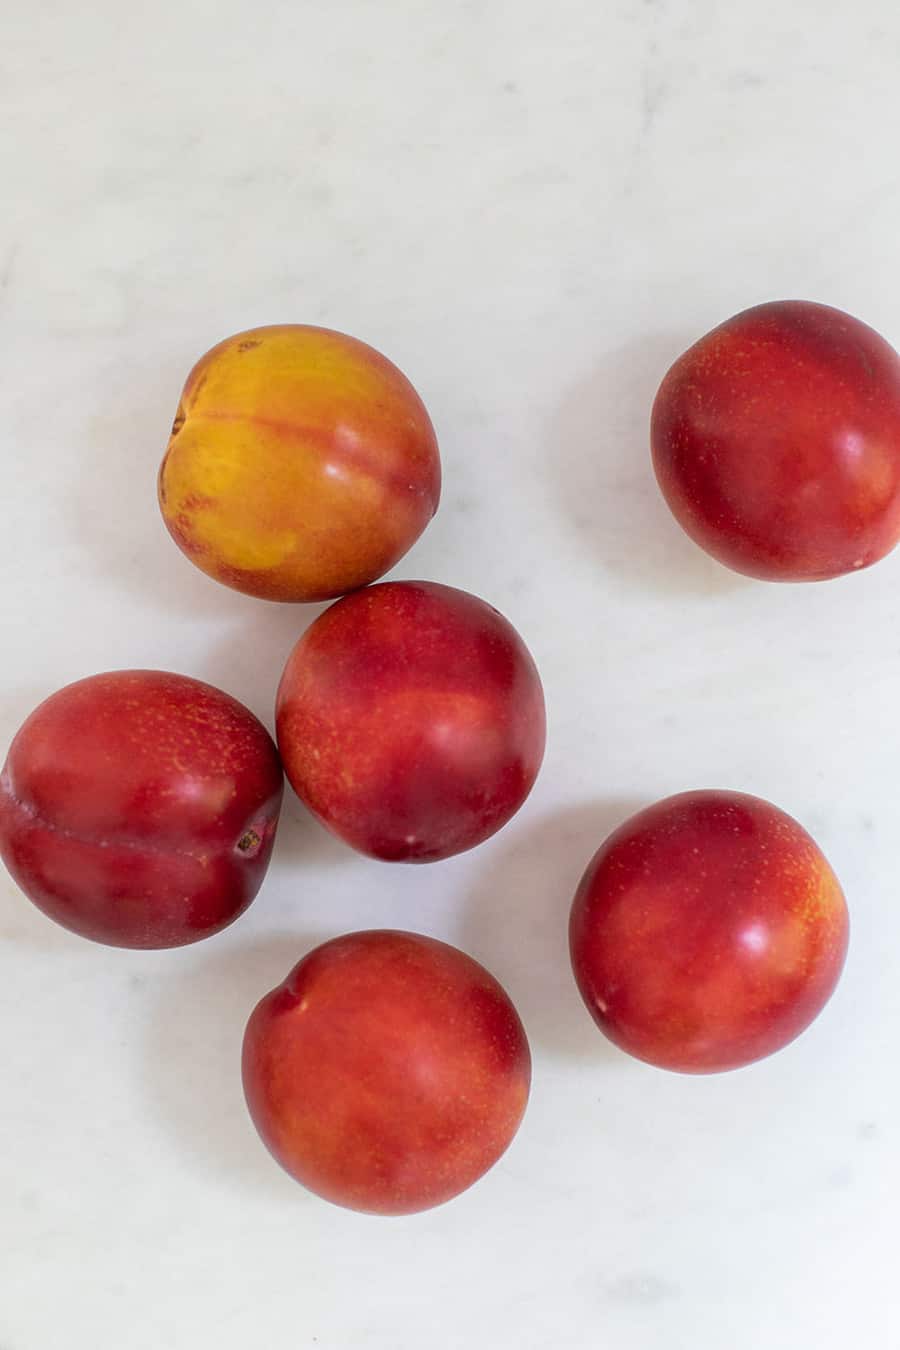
column 516, row 924
column 192, row 1055
column 114, row 511
column 302, row 842
column 23, row 924
column 599, row 459
column 248, row 657
column 248, row 661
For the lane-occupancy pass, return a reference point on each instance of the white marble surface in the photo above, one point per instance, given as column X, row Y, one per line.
column 532, row 208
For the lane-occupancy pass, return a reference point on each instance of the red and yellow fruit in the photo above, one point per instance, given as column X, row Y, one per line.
column 410, row 719
column 387, row 1073
column 139, row 808
column 776, row 442
column 302, row 464
column 707, row 932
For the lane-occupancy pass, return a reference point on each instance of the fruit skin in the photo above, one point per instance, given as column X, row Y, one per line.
column 138, row 808
column 387, row 1073
column 302, row 464
column 707, row 932
column 410, row 718
column 776, row 442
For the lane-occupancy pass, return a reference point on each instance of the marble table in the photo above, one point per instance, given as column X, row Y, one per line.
column 532, row 209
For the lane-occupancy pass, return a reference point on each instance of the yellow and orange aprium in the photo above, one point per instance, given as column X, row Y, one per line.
column 302, row 464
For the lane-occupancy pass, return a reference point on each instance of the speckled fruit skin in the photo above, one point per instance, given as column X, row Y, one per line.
column 387, row 1073
column 410, row 718
column 139, row 808
column 776, row 442
column 707, row 932
column 302, row 464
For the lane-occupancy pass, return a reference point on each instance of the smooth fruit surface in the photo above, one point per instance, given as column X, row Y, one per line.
column 302, row 464
column 707, row 932
column 410, row 718
column 387, row 1073
column 139, row 808
column 776, row 442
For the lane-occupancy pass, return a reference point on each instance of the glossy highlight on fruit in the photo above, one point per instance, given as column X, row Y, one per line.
column 302, row 464
column 387, row 1073
column 776, row 442
column 707, row 932
column 410, row 718
column 138, row 808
